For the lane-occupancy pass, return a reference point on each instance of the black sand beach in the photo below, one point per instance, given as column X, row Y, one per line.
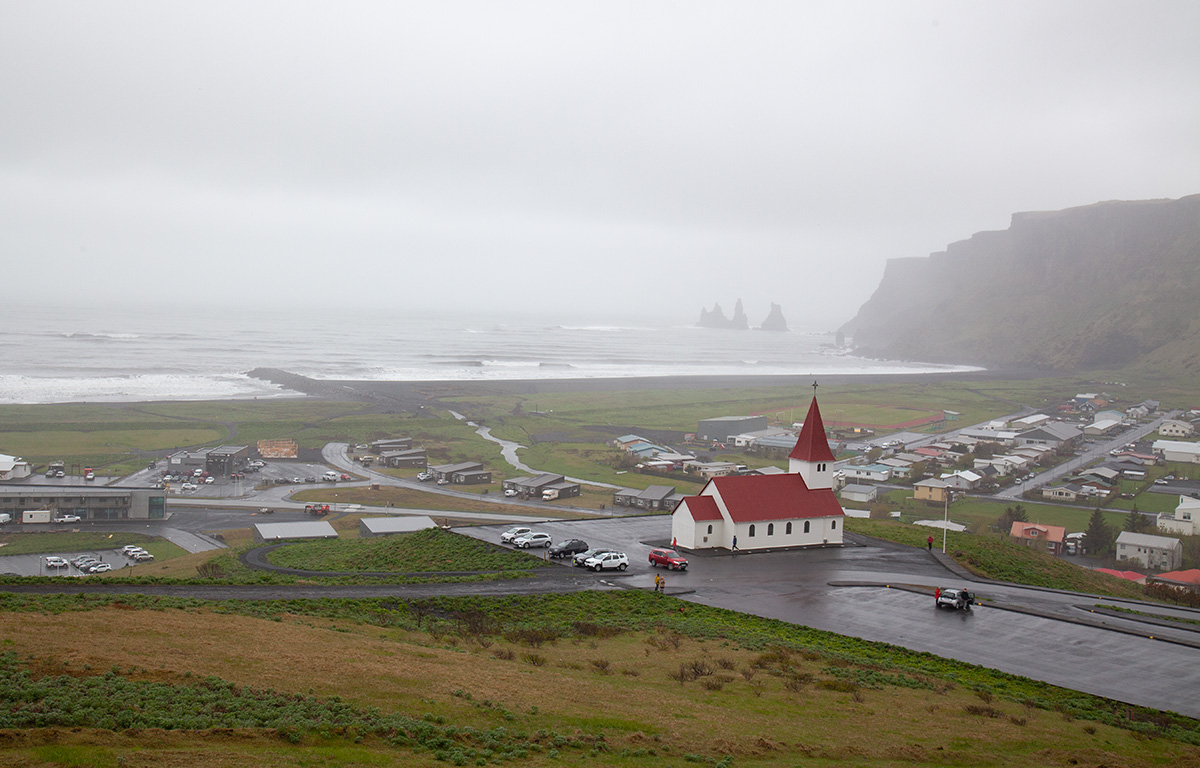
column 413, row 395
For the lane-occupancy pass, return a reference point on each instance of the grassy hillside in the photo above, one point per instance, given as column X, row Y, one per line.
column 625, row 678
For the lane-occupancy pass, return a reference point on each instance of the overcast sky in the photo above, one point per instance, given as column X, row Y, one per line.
column 565, row 156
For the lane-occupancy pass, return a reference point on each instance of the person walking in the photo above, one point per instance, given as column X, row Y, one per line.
column 929, row 543
column 937, row 594
column 735, row 549
column 658, row 580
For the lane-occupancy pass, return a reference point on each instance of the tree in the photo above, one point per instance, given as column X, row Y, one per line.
column 1136, row 522
column 1009, row 516
column 1098, row 537
column 919, row 471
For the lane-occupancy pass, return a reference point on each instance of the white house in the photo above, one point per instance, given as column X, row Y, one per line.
column 1175, row 450
column 1185, row 521
column 864, row 494
column 1176, row 428
column 1161, row 553
column 14, row 468
column 963, row 480
column 795, row 509
column 1101, row 427
column 879, row 473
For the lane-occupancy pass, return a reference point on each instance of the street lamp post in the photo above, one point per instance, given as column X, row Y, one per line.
column 946, row 522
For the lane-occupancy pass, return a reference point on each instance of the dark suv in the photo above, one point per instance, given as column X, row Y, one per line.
column 568, row 548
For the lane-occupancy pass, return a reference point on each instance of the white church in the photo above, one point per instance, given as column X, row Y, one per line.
column 796, row 509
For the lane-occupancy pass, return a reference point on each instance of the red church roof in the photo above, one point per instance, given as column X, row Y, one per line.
column 751, row 498
column 701, row 508
column 813, row 444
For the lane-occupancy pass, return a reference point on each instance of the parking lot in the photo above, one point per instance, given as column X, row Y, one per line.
column 35, row 565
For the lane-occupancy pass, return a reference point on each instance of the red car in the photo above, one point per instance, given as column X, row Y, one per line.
column 668, row 558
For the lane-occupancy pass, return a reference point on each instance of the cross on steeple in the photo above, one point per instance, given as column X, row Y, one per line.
column 814, row 388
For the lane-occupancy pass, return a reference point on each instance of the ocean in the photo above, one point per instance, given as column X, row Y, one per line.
column 121, row 354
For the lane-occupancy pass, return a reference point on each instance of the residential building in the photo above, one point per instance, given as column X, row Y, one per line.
column 1175, row 450
column 932, row 490
column 1101, row 427
column 410, row 457
column 963, row 480
column 1176, row 428
column 1048, row 538
column 795, row 509
column 14, row 468
column 1189, row 579
column 1185, row 520
column 653, row 497
column 463, row 473
column 710, row 469
column 862, row 494
column 1157, row 552
column 879, row 473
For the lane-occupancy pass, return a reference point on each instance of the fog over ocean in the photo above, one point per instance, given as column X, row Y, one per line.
column 118, row 354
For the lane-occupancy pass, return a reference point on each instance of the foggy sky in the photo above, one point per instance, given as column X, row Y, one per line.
column 564, row 157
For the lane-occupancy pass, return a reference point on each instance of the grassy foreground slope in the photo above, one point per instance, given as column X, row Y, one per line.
column 624, row 678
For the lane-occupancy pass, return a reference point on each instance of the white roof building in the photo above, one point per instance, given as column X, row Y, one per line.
column 1178, row 450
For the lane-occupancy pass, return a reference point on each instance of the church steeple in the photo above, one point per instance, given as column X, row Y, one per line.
column 812, row 458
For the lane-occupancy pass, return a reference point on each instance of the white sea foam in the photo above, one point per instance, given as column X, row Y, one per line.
column 49, row 356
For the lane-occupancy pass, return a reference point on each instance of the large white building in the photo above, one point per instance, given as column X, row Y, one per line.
column 794, row 509
column 1178, row 450
column 1162, row 553
column 1186, row 519
column 14, row 468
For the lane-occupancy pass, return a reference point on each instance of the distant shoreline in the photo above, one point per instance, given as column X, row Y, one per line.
column 413, row 395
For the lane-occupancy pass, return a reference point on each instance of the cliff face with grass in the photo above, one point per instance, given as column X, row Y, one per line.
column 1104, row 286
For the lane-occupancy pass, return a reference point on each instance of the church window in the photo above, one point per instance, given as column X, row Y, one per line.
column 834, row 523
column 770, row 529
column 710, row 529
column 789, row 529
column 806, row 525
column 751, row 531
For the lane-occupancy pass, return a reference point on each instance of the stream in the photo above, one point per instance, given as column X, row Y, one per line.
column 508, row 449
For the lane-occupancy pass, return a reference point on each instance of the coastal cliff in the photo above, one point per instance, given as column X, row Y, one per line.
column 1103, row 286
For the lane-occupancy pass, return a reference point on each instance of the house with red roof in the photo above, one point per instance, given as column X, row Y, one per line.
column 1189, row 579
column 1048, row 538
column 793, row 509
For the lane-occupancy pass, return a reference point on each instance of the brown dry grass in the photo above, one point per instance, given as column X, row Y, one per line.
column 637, row 705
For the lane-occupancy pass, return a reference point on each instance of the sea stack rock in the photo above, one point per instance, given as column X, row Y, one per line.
column 774, row 321
column 739, row 321
column 713, row 318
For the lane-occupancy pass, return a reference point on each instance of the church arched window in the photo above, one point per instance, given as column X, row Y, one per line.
column 751, row 531
column 789, row 529
column 806, row 525
column 770, row 529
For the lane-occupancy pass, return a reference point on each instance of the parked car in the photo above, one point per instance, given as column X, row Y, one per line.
column 90, row 476
column 98, row 568
column 535, row 539
column 586, row 555
column 443, row 481
column 668, row 558
column 954, row 599
column 53, row 561
column 60, row 473
column 209, row 480
column 607, row 562
column 512, row 533
column 297, row 479
column 142, row 557
column 130, row 549
column 346, row 477
column 188, row 487
column 568, row 548
column 82, row 563
column 67, row 519
column 510, row 492
column 423, row 476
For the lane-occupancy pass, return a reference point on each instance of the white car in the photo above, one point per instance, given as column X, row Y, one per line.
column 188, row 487
column 209, row 480
column 607, row 561
column 536, row 539
column 510, row 492
column 99, row 568
column 67, row 519
column 512, row 533
column 142, row 557
column 56, row 562
column 130, row 549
